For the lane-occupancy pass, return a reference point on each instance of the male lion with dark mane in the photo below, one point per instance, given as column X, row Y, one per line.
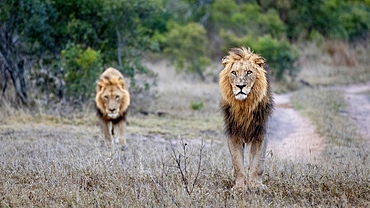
column 112, row 102
column 246, row 104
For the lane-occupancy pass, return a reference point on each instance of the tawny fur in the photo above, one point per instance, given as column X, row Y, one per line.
column 245, row 120
column 112, row 102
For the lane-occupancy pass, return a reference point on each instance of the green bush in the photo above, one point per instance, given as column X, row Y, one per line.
column 245, row 19
column 355, row 19
column 196, row 105
column 186, row 47
column 81, row 68
column 345, row 19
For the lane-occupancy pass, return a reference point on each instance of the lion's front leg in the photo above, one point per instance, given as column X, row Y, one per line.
column 107, row 130
column 256, row 162
column 237, row 155
column 120, row 137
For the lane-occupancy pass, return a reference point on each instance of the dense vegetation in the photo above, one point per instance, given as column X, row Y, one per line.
column 58, row 46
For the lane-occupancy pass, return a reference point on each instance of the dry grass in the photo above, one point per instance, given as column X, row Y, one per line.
column 52, row 160
column 64, row 165
column 318, row 68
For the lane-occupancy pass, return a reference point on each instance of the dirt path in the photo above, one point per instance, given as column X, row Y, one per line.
column 358, row 109
column 292, row 136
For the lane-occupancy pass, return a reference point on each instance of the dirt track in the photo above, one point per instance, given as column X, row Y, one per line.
column 358, row 109
column 290, row 135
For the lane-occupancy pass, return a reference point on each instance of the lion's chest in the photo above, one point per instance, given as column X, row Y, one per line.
column 247, row 124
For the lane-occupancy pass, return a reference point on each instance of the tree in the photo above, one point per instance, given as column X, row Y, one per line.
column 34, row 33
column 81, row 67
column 186, row 46
column 344, row 19
column 25, row 29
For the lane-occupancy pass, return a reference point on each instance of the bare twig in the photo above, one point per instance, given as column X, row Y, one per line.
column 161, row 183
column 183, row 164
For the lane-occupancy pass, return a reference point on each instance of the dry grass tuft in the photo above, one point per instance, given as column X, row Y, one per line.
column 317, row 67
column 340, row 53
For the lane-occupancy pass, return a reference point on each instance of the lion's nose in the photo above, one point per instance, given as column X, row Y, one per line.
column 112, row 109
column 241, row 86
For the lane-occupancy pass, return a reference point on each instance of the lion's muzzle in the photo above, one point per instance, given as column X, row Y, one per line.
column 241, row 92
column 113, row 115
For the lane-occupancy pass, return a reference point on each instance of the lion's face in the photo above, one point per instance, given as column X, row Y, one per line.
column 242, row 77
column 112, row 98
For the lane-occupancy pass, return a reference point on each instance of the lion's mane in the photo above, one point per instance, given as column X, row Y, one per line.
column 247, row 118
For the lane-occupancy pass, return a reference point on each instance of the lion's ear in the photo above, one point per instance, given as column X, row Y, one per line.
column 224, row 61
column 98, row 86
column 260, row 61
column 122, row 82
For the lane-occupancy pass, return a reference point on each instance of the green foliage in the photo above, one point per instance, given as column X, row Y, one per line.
column 196, row 105
column 345, row 19
column 245, row 18
column 355, row 19
column 280, row 55
column 81, row 69
column 186, row 11
column 186, row 46
column 188, row 32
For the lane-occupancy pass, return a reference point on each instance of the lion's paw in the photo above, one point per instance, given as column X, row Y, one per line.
column 257, row 187
column 124, row 147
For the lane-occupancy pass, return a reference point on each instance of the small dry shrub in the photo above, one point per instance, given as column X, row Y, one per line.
column 340, row 53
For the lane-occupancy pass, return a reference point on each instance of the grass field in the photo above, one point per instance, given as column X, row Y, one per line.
column 179, row 159
column 51, row 164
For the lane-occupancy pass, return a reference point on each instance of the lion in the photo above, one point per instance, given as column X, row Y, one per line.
column 246, row 104
column 112, row 102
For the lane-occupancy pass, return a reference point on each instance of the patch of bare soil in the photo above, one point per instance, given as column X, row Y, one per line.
column 292, row 136
column 358, row 106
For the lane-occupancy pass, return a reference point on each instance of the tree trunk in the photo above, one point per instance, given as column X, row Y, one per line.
column 200, row 73
column 16, row 71
column 119, row 50
column 5, row 85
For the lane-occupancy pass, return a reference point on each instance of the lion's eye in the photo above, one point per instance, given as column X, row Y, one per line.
column 233, row 73
column 105, row 98
column 249, row 72
column 117, row 97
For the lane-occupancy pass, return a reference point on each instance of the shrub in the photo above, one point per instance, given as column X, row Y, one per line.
column 186, row 47
column 246, row 18
column 196, row 105
column 81, row 68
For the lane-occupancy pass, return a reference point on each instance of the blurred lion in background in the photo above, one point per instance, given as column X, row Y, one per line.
column 246, row 104
column 112, row 102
